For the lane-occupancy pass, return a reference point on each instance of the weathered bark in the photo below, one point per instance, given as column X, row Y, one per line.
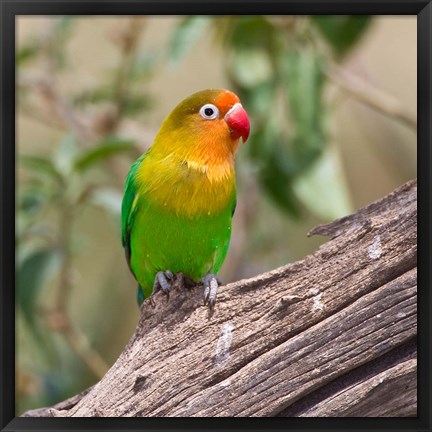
column 331, row 335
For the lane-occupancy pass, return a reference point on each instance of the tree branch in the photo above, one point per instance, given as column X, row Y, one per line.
column 375, row 98
column 329, row 335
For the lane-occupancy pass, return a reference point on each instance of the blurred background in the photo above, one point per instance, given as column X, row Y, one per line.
column 332, row 104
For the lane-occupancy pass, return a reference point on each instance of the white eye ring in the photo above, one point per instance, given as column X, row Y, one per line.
column 209, row 112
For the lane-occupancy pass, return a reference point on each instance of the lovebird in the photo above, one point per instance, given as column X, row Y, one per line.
column 180, row 195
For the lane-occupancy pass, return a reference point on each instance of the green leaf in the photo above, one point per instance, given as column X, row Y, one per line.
column 260, row 100
column 185, row 35
column 323, row 188
column 136, row 104
column 65, row 155
column 26, row 53
column 251, row 67
column 277, row 182
column 275, row 168
column 64, row 26
column 108, row 147
column 251, row 32
column 61, row 35
column 261, row 142
column 95, row 95
column 40, row 165
column 342, row 32
column 35, row 267
column 108, row 199
column 33, row 273
column 143, row 66
column 304, row 86
column 31, row 198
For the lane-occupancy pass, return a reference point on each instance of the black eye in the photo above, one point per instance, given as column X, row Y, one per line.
column 209, row 111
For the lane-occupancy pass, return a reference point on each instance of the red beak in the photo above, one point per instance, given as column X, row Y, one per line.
column 238, row 122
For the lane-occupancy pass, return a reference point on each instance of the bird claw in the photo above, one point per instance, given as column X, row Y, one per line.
column 211, row 283
column 162, row 282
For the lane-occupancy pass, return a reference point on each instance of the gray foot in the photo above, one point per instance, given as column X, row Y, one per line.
column 211, row 283
column 162, row 282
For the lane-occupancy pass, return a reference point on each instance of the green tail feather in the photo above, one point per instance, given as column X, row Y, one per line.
column 140, row 295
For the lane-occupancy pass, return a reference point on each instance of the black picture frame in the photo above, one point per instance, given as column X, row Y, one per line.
column 12, row 8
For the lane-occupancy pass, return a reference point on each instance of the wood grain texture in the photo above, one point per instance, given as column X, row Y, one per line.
column 331, row 335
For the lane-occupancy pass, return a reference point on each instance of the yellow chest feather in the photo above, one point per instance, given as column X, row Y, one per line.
column 187, row 187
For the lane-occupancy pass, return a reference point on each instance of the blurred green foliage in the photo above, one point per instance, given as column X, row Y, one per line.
column 341, row 32
column 278, row 68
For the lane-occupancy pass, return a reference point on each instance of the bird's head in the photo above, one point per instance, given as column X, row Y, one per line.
column 209, row 123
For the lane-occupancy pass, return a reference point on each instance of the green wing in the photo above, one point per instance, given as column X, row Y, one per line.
column 129, row 208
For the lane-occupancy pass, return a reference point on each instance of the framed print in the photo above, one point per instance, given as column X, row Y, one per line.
column 209, row 212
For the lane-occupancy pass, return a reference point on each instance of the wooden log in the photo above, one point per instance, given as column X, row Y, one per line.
column 331, row 335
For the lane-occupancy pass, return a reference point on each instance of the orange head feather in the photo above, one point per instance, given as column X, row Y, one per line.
column 204, row 128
